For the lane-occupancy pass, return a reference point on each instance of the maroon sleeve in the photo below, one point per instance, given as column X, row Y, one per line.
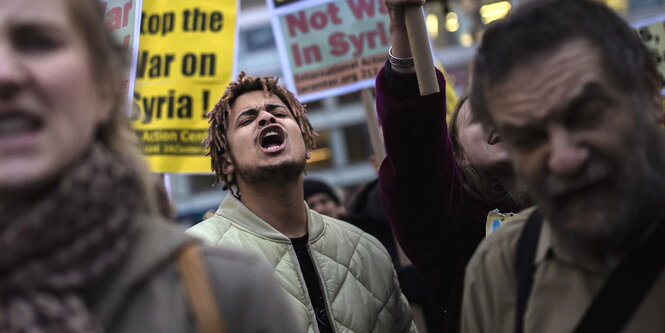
column 420, row 181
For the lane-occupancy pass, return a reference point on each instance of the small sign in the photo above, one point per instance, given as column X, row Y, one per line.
column 328, row 47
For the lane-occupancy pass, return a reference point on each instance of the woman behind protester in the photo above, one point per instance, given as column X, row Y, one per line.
column 437, row 187
column 82, row 245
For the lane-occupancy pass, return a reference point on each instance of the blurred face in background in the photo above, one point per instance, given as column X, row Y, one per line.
column 481, row 148
column 50, row 101
column 324, row 204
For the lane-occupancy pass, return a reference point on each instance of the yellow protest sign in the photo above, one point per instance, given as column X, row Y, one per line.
column 451, row 94
column 652, row 33
column 496, row 219
column 185, row 61
column 123, row 17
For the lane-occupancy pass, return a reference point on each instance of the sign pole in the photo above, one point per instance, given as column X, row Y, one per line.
column 373, row 127
column 376, row 137
column 422, row 54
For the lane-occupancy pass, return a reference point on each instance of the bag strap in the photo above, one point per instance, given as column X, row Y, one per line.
column 526, row 254
column 620, row 296
column 627, row 285
column 200, row 295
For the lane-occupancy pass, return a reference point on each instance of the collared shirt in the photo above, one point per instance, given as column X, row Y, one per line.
column 565, row 282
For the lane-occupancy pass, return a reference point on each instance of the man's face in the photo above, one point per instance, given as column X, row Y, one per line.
column 265, row 142
column 579, row 142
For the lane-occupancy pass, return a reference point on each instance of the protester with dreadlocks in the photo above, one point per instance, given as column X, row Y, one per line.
column 217, row 141
column 339, row 277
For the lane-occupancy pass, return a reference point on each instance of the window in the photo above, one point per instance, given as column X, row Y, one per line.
column 202, row 183
column 357, row 143
column 350, row 98
column 314, row 106
column 258, row 39
column 321, row 156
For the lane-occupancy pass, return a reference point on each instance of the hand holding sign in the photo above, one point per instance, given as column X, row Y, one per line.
column 409, row 39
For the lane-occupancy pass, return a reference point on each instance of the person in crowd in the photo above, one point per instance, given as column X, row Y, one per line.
column 365, row 212
column 437, row 184
column 323, row 199
column 84, row 246
column 338, row 277
column 575, row 95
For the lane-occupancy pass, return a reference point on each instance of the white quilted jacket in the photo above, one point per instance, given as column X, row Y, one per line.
column 359, row 283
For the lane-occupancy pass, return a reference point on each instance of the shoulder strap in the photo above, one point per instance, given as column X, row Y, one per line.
column 207, row 313
column 627, row 285
column 526, row 254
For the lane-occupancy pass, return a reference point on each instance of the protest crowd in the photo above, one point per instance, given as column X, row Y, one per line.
column 537, row 206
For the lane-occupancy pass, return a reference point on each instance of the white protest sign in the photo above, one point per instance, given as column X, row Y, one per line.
column 329, row 47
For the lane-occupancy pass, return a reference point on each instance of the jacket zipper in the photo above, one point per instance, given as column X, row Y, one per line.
column 324, row 291
column 303, row 284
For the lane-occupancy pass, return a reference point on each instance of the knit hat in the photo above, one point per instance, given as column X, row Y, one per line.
column 313, row 187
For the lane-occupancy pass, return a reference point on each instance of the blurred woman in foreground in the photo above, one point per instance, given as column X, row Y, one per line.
column 83, row 247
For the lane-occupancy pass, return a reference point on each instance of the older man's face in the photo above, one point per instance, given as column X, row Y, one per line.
column 578, row 141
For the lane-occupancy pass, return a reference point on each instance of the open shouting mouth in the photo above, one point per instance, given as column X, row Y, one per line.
column 272, row 139
column 18, row 131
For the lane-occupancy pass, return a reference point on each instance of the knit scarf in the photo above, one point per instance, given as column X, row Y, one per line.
column 52, row 248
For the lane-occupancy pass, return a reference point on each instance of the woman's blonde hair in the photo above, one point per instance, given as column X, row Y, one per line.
column 108, row 61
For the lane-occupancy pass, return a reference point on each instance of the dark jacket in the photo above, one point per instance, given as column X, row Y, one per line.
column 434, row 219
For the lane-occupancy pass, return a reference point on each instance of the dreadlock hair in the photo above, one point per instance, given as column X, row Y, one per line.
column 217, row 142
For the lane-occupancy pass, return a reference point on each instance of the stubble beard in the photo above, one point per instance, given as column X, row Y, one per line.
column 615, row 219
column 271, row 174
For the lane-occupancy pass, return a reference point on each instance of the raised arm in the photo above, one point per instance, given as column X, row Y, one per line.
column 399, row 40
column 421, row 185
